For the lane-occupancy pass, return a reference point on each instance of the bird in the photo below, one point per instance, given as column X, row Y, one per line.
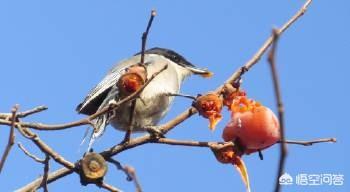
column 154, row 102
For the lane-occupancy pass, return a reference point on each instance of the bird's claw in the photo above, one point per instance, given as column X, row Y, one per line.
column 155, row 131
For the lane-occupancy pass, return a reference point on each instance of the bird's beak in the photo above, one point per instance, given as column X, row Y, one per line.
column 200, row 71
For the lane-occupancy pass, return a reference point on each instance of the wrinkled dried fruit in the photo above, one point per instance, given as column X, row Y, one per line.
column 254, row 126
column 210, row 106
column 93, row 166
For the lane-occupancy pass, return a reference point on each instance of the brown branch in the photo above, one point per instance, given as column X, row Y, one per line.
column 144, row 36
column 119, row 166
column 11, row 139
column 48, row 150
column 309, row 143
column 277, row 88
column 191, row 143
column 108, row 187
column 267, row 44
column 32, row 111
column 131, row 171
column 53, row 176
column 23, row 133
column 24, row 113
column 46, row 172
column 25, row 151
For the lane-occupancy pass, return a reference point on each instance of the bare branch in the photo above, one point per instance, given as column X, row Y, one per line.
column 189, row 143
column 24, row 113
column 46, row 172
column 144, row 36
column 131, row 171
column 25, row 151
column 119, row 166
column 267, row 44
column 23, row 133
column 309, row 143
column 108, row 187
column 11, row 139
column 277, row 88
column 53, row 176
column 32, row 111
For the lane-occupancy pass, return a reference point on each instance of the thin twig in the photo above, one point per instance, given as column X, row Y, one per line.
column 257, row 56
column 109, row 187
column 11, row 139
column 24, row 113
column 309, row 143
column 46, row 172
column 144, row 36
column 48, row 150
column 131, row 121
column 131, row 171
column 25, row 151
column 277, row 88
column 23, row 133
column 53, row 176
column 189, row 143
column 32, row 111
column 119, row 166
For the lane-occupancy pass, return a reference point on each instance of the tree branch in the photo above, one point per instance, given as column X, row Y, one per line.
column 144, row 36
column 277, row 89
column 131, row 171
column 257, row 56
column 11, row 139
column 309, row 143
column 46, row 172
column 25, row 151
column 109, row 187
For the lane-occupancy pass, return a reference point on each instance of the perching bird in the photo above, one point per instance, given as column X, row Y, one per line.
column 153, row 103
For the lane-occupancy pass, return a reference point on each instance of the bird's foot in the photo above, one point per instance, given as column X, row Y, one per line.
column 155, row 131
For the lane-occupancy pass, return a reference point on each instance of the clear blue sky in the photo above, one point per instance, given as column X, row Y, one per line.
column 53, row 53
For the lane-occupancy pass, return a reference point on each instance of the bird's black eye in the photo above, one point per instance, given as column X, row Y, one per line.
column 176, row 59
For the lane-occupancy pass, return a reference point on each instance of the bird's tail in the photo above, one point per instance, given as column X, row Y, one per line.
column 99, row 126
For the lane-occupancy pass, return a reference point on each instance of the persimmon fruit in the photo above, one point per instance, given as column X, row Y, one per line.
column 252, row 125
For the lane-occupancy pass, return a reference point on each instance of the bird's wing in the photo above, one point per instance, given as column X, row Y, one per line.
column 97, row 95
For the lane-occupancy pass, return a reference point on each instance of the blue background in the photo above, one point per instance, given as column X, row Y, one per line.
column 53, row 53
